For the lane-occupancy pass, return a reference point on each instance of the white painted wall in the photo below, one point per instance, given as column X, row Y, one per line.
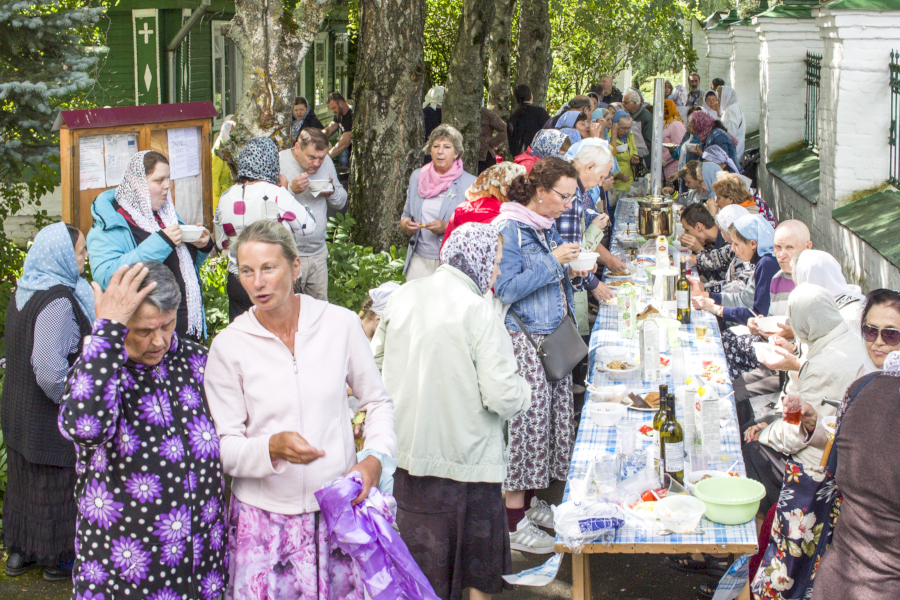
column 745, row 71
column 718, row 57
column 701, row 47
column 20, row 227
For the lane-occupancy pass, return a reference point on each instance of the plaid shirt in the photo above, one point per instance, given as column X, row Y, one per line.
column 569, row 226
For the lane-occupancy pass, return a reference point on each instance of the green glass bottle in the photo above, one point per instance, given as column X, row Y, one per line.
column 659, row 417
column 671, row 444
column 683, row 294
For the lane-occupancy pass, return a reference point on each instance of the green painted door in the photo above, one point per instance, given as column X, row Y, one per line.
column 146, row 56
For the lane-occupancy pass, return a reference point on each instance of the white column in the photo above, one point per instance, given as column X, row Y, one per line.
column 784, row 42
column 718, row 57
column 745, row 71
column 698, row 38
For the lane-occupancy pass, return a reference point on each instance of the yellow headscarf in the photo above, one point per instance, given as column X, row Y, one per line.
column 670, row 112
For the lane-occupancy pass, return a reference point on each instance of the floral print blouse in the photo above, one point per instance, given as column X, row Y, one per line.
column 150, row 485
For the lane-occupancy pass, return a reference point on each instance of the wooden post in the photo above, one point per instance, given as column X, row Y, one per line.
column 581, row 577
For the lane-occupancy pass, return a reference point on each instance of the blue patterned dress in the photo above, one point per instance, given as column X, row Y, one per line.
column 150, row 491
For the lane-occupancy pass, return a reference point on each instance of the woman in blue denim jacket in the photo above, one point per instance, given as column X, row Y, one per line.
column 535, row 282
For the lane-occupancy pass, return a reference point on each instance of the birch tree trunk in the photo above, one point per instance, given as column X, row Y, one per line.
column 534, row 59
column 498, row 53
column 273, row 42
column 465, row 81
column 388, row 131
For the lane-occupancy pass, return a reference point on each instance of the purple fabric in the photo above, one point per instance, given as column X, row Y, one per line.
column 364, row 532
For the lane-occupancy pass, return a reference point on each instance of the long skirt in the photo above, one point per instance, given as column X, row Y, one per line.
column 286, row 557
column 39, row 510
column 456, row 531
column 540, row 439
column 739, row 353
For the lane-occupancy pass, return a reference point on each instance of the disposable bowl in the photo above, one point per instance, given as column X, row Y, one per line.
column 680, row 514
column 613, row 353
column 585, row 261
column 690, row 481
column 606, row 393
column 606, row 414
column 730, row 500
column 765, row 352
column 191, row 233
column 770, row 324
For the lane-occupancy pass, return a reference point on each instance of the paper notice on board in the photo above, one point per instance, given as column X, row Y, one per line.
column 184, row 152
column 120, row 147
column 92, row 173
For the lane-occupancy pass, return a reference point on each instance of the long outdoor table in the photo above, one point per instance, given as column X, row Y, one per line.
column 591, row 440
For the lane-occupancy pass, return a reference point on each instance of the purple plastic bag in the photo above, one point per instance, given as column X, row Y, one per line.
column 365, row 533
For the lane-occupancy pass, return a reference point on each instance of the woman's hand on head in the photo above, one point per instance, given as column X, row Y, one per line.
column 566, row 253
column 292, row 447
column 122, row 298
column 173, row 232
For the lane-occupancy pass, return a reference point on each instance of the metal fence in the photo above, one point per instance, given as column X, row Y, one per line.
column 813, row 80
column 895, row 116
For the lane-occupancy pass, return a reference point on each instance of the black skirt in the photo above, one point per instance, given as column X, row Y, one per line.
column 39, row 510
column 456, row 531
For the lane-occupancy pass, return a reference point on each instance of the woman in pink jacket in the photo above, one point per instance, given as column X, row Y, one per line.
column 277, row 382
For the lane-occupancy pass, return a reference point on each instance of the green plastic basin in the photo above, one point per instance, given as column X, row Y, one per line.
column 730, row 500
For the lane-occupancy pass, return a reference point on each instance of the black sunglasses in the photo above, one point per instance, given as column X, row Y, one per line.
column 891, row 337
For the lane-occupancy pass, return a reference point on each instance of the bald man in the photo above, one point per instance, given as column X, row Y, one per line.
column 791, row 237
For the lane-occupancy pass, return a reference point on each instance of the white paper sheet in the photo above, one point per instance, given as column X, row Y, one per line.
column 184, row 152
column 91, row 171
column 120, row 147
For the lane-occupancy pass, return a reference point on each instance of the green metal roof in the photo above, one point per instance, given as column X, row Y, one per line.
column 800, row 171
column 863, row 5
column 725, row 23
column 791, row 9
column 874, row 219
column 129, row 5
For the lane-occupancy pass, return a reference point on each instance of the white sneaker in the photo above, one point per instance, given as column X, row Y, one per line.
column 578, row 389
column 540, row 514
column 528, row 538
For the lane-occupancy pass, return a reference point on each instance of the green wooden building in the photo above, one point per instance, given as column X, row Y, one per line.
column 206, row 65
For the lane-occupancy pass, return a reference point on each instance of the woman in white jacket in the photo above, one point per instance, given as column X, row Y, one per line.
column 276, row 381
column 732, row 118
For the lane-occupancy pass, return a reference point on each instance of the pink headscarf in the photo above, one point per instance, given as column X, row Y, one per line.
column 702, row 124
column 432, row 183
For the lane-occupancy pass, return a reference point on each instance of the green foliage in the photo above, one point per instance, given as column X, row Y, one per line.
column 213, row 278
column 353, row 270
column 442, row 20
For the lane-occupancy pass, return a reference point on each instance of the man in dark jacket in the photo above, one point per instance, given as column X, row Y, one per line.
column 525, row 121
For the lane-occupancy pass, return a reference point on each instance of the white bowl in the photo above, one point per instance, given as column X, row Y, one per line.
column 680, row 514
column 612, row 353
column 191, row 233
column 320, row 185
column 585, row 261
column 606, row 414
column 829, row 423
column 765, row 352
column 691, row 480
column 770, row 324
column 606, row 393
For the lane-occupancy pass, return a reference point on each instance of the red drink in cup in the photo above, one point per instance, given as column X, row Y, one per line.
column 792, row 409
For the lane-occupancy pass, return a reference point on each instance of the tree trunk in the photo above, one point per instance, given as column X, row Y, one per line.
column 498, row 58
column 534, row 59
column 388, row 132
column 465, row 81
column 272, row 42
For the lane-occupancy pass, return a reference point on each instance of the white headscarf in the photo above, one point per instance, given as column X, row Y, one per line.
column 727, row 97
column 434, row 98
column 822, row 269
column 225, row 132
column 706, row 108
column 133, row 195
column 813, row 313
column 726, row 217
column 381, row 295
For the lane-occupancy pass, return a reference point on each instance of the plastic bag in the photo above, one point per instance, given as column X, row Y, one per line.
column 589, row 523
column 364, row 532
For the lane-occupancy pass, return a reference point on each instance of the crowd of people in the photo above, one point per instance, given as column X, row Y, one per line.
column 121, row 425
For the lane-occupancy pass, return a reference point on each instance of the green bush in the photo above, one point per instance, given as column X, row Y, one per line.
column 353, row 270
column 213, row 277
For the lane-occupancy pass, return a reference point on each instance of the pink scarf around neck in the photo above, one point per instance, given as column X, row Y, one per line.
column 432, row 183
column 517, row 212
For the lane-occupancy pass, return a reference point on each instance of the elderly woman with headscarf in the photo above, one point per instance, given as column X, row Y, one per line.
column 150, row 488
column 831, row 355
column 303, row 116
column 137, row 221
column 260, row 193
column 431, row 108
column 624, row 149
column 710, row 132
column 822, row 269
column 752, row 239
column 277, row 381
column 433, row 194
column 485, row 196
column 673, row 133
column 451, row 415
column 546, row 142
column 679, row 95
column 575, row 124
column 732, row 118
column 49, row 314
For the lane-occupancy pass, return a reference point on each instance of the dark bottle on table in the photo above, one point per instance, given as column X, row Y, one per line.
column 658, row 417
column 671, row 443
column 683, row 294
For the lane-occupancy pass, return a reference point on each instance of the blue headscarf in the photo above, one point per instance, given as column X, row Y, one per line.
column 573, row 134
column 598, row 112
column 547, row 142
column 619, row 114
column 710, row 172
column 754, row 227
column 567, row 119
column 51, row 262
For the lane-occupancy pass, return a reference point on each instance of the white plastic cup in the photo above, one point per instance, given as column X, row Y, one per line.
column 626, row 434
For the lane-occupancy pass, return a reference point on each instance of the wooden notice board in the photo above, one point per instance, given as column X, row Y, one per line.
column 96, row 144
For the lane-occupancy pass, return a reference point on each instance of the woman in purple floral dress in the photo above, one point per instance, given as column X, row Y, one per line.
column 150, row 485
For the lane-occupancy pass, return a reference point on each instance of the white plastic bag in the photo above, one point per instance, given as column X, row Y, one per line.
column 589, row 523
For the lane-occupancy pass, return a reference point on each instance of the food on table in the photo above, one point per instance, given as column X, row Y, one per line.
column 647, row 313
column 616, row 283
column 651, row 400
column 664, row 362
column 619, row 365
column 654, row 495
column 646, row 429
column 620, row 274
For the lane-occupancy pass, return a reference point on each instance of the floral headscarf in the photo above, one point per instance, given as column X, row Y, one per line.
column 717, row 155
column 472, row 248
column 727, row 97
column 573, row 134
column 547, row 142
column 133, row 195
column 494, row 181
column 258, row 161
column 702, row 124
column 679, row 95
column 670, row 112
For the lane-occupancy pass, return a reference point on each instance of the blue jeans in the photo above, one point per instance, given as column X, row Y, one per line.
column 344, row 158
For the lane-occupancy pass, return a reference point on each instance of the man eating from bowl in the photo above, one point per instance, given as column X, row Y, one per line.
column 314, row 182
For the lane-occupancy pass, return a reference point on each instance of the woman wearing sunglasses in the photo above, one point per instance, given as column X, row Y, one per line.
column 864, row 559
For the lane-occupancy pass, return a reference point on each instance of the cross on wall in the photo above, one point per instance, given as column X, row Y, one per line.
column 146, row 33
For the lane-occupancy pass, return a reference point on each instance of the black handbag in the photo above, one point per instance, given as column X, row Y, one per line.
column 560, row 351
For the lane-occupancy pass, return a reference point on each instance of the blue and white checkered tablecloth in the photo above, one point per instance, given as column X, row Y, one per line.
column 592, row 440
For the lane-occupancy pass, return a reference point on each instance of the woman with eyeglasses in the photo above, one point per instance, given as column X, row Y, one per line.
column 864, row 559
